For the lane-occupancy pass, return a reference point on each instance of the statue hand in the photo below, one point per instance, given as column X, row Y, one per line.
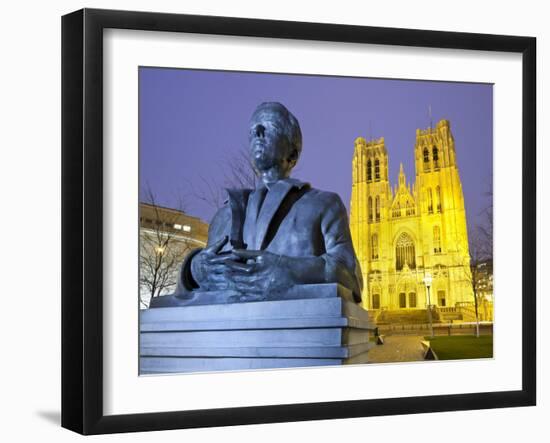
column 255, row 272
column 208, row 268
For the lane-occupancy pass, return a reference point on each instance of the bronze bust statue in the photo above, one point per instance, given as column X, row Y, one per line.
column 284, row 233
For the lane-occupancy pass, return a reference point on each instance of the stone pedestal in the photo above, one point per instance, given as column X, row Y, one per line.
column 329, row 329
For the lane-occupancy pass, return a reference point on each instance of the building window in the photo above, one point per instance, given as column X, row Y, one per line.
column 374, row 247
column 397, row 210
column 370, row 209
column 412, row 299
column 402, row 300
column 376, row 301
column 430, row 201
column 410, row 208
column 377, row 169
column 185, row 228
column 404, row 252
column 377, row 206
column 437, row 240
column 369, row 171
column 438, row 198
column 436, row 158
column 441, row 298
column 426, row 160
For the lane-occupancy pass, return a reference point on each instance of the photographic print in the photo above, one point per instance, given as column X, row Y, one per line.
column 255, row 207
column 291, row 220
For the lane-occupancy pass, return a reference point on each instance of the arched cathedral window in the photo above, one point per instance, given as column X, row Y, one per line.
column 374, row 247
column 437, row 240
column 369, row 171
column 377, row 169
column 438, row 198
column 404, row 252
column 426, row 160
column 370, row 209
column 430, row 201
column 377, row 206
column 436, row 157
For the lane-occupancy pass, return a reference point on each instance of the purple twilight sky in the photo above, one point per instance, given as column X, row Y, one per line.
column 190, row 121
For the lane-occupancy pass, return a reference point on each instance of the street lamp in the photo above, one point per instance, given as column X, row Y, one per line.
column 428, row 283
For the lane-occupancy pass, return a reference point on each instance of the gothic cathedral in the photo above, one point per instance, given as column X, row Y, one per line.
column 402, row 234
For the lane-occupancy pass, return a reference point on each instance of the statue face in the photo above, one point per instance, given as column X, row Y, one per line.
column 269, row 147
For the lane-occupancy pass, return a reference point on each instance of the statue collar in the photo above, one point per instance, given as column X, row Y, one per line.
column 245, row 192
column 289, row 182
column 238, row 200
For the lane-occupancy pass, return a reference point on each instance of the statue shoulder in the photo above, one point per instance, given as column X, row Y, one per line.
column 222, row 213
column 219, row 223
column 329, row 199
column 233, row 211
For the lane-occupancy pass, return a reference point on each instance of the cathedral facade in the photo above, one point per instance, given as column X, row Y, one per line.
column 413, row 230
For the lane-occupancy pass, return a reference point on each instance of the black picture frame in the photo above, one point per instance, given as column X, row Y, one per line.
column 82, row 215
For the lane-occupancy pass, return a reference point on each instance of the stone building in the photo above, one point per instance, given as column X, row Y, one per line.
column 166, row 237
column 484, row 275
column 405, row 232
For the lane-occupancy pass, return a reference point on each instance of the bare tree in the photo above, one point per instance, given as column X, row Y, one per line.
column 485, row 228
column 161, row 252
column 238, row 171
column 208, row 191
column 234, row 171
column 479, row 254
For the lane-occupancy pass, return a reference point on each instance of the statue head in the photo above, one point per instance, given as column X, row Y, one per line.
column 275, row 141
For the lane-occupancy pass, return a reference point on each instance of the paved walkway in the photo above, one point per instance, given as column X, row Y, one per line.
column 397, row 348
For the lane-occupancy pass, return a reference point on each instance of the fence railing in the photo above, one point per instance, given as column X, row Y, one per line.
column 485, row 328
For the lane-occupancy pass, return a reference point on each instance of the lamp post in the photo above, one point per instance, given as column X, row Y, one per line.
column 428, row 283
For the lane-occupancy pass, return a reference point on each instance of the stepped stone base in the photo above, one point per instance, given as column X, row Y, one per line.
column 313, row 331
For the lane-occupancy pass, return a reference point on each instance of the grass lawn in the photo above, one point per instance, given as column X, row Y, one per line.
column 462, row 346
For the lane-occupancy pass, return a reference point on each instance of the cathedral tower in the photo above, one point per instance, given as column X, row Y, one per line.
column 370, row 197
column 443, row 216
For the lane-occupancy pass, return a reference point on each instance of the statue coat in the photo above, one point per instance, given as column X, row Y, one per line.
column 293, row 219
